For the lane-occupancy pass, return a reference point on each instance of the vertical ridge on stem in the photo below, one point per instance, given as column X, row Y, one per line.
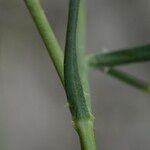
column 81, row 114
column 74, row 89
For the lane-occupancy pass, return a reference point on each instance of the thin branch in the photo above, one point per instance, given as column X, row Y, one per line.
column 126, row 56
column 129, row 79
column 47, row 35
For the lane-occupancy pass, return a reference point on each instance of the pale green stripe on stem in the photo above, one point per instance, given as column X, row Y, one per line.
column 81, row 51
column 83, row 121
column 73, row 85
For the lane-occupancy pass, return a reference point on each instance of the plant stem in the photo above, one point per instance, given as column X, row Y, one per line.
column 85, row 128
column 47, row 35
column 83, row 121
column 126, row 56
column 86, row 134
column 73, row 84
column 129, row 79
column 81, row 47
column 82, row 118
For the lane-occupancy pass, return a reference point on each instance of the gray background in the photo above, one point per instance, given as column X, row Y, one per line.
column 32, row 100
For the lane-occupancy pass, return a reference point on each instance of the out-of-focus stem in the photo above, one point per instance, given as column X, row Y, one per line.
column 129, row 79
column 47, row 35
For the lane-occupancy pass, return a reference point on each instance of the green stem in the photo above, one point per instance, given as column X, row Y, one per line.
column 129, row 79
column 73, row 84
column 81, row 47
column 106, row 60
column 82, row 118
column 85, row 130
column 126, row 56
column 47, row 35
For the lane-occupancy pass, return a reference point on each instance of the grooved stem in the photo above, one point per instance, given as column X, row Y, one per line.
column 81, row 51
column 81, row 113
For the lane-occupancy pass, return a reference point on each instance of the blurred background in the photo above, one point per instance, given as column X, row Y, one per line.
column 33, row 115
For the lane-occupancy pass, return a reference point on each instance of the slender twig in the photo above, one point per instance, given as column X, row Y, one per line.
column 126, row 56
column 47, row 35
column 128, row 78
column 83, row 121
